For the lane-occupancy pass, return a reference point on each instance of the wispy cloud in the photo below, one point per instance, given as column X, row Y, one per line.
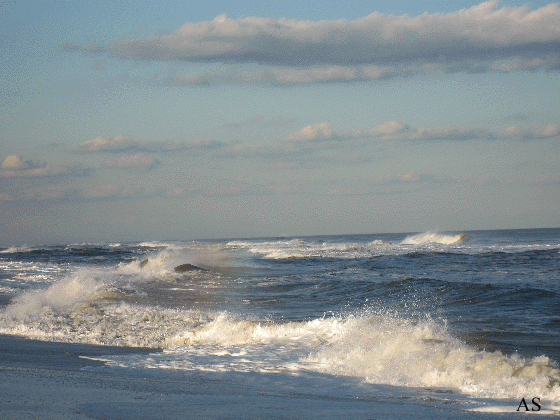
column 120, row 191
column 544, row 179
column 483, row 38
column 124, row 143
column 249, row 121
column 275, row 75
column 105, row 191
column 260, row 121
column 45, row 193
column 76, row 192
column 286, row 76
column 256, row 149
column 136, row 162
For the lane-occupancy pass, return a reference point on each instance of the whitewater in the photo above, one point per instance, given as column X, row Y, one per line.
column 458, row 322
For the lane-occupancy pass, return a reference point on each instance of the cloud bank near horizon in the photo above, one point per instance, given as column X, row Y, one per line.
column 299, row 150
column 398, row 131
column 483, row 38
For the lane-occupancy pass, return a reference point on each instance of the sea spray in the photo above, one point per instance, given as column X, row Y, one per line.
column 436, row 238
column 59, row 296
column 422, row 353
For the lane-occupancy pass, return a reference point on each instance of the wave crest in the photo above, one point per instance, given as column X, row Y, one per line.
column 433, row 237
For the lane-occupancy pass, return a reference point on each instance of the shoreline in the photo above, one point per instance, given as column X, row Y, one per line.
column 56, row 381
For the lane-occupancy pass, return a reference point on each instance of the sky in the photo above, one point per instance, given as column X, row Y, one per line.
column 138, row 120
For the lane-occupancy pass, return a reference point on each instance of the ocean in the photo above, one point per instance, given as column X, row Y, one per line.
column 432, row 325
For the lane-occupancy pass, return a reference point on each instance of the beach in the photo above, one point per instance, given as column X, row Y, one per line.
column 58, row 381
column 45, row 380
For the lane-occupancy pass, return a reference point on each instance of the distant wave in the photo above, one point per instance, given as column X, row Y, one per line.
column 153, row 244
column 432, row 237
column 299, row 248
column 15, row 249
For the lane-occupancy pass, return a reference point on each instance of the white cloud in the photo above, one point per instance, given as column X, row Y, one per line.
column 312, row 132
column 485, row 37
column 551, row 130
column 14, row 163
column 13, row 166
column 512, row 131
column 386, row 130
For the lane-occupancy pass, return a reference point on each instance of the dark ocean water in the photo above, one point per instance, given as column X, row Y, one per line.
column 473, row 314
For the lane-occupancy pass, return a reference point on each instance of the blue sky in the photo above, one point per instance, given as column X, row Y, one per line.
column 133, row 120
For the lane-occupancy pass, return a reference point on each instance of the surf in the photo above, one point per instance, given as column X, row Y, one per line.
column 371, row 346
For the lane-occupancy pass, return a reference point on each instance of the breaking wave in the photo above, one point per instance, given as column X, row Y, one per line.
column 300, row 248
column 376, row 348
column 431, row 237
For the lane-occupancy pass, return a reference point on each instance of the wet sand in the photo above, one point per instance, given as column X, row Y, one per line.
column 44, row 380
